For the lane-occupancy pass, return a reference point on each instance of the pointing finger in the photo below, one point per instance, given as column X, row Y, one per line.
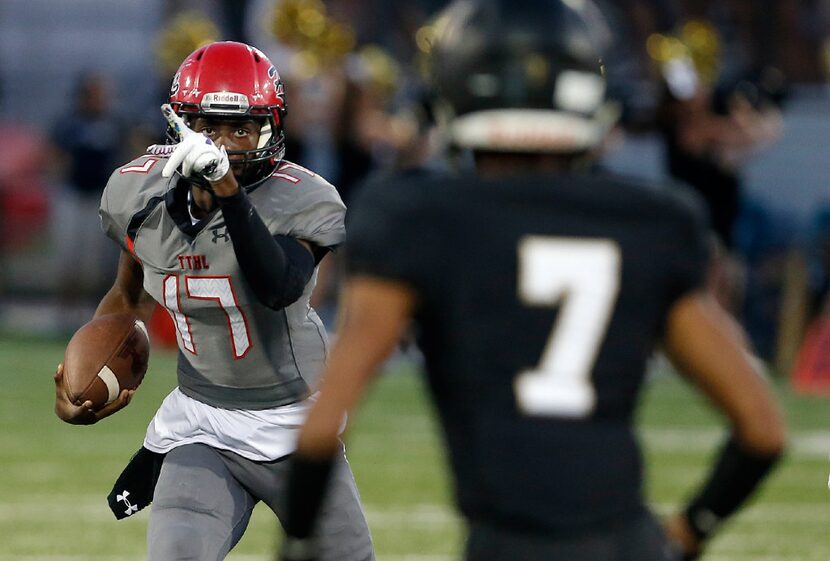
column 175, row 122
column 175, row 160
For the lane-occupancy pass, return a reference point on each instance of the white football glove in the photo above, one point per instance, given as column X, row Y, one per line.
column 196, row 153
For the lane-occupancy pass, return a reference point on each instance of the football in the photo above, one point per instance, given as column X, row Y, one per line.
column 104, row 357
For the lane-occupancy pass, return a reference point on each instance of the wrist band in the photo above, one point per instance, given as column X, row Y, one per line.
column 735, row 476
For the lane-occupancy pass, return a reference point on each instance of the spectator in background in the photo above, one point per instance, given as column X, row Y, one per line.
column 706, row 148
column 88, row 145
column 313, row 141
column 819, row 265
column 345, row 123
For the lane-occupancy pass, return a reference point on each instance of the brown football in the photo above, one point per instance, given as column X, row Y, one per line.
column 105, row 356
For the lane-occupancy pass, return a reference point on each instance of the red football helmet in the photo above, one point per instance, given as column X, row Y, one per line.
column 234, row 80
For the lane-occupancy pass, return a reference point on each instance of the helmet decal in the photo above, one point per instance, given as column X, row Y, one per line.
column 275, row 78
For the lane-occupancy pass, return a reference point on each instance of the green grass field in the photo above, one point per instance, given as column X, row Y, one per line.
column 55, row 477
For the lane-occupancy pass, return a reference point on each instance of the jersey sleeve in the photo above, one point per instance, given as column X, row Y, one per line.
column 312, row 211
column 391, row 233
column 693, row 245
column 128, row 191
column 113, row 222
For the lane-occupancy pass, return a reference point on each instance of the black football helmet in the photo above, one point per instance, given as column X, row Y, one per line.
column 521, row 75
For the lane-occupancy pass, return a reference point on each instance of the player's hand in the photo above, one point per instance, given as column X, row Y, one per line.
column 294, row 549
column 681, row 535
column 84, row 414
column 196, row 153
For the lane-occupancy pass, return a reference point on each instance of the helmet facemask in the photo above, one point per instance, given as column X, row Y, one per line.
column 256, row 165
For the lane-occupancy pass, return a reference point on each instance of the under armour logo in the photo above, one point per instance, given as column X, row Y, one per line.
column 220, row 233
column 131, row 508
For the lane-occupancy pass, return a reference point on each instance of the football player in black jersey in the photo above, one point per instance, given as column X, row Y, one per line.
column 539, row 290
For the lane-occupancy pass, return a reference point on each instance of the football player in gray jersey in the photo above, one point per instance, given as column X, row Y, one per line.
column 226, row 236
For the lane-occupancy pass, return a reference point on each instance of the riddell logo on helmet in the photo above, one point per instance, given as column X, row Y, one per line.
column 225, row 102
column 225, row 97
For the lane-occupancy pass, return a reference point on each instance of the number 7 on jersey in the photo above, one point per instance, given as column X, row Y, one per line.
column 582, row 277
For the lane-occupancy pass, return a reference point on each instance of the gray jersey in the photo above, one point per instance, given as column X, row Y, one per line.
column 235, row 352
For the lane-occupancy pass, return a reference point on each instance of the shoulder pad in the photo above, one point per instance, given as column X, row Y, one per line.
column 297, row 202
column 128, row 190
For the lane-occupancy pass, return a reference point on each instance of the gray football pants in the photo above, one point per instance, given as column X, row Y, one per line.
column 204, row 499
column 641, row 539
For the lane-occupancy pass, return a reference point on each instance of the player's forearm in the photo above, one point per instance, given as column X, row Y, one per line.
column 734, row 478
column 307, row 484
column 375, row 314
column 344, row 382
column 277, row 269
column 127, row 294
column 227, row 186
column 314, row 458
column 702, row 341
column 368, row 335
column 117, row 301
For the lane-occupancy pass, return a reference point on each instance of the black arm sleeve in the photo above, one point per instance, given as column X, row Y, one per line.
column 276, row 267
column 308, row 480
column 734, row 478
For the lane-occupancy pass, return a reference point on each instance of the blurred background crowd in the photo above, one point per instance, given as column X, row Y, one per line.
column 728, row 96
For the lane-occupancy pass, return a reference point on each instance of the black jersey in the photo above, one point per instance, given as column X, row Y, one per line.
column 540, row 300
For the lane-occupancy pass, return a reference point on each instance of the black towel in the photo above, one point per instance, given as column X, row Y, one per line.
column 134, row 488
